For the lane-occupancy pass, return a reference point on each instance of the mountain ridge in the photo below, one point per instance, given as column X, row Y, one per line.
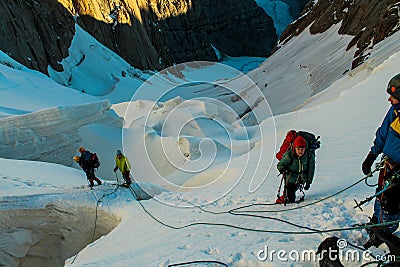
column 369, row 22
column 148, row 34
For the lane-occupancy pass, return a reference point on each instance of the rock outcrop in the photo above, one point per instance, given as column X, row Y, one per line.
column 235, row 28
column 296, row 6
column 368, row 21
column 148, row 34
column 35, row 33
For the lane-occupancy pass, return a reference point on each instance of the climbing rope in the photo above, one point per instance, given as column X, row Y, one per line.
column 232, row 211
column 237, row 212
column 273, row 218
column 97, row 205
column 378, row 166
column 312, row 230
column 194, row 262
column 299, row 206
column 96, row 216
column 368, row 184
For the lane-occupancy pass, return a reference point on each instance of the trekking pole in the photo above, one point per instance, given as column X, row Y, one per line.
column 280, row 186
column 116, row 175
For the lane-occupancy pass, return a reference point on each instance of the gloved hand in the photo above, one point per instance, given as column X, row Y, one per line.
column 366, row 165
column 307, row 186
column 115, row 169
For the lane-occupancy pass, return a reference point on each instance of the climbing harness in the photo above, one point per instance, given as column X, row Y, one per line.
column 388, row 184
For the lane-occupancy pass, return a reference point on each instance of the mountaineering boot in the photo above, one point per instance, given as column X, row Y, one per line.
column 125, row 185
column 98, row 181
column 280, row 200
column 373, row 240
column 300, row 200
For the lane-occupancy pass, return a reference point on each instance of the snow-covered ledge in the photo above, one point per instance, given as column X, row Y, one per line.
column 52, row 135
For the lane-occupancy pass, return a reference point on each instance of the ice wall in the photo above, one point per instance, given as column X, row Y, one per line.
column 52, row 135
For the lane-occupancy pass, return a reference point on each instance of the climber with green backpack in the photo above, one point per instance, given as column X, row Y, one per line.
column 296, row 164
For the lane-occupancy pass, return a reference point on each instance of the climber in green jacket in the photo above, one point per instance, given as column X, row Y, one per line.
column 298, row 166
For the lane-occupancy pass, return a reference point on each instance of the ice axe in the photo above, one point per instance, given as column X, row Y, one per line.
column 278, row 197
column 390, row 183
column 368, row 199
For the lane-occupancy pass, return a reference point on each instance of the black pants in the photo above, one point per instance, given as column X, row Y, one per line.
column 91, row 176
column 291, row 189
column 127, row 177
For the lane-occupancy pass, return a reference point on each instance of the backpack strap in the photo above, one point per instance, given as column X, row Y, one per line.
column 291, row 154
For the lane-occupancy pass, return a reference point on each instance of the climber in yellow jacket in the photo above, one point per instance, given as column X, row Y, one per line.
column 122, row 163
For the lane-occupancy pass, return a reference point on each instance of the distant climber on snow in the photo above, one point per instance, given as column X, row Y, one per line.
column 122, row 163
column 297, row 164
column 387, row 141
column 88, row 161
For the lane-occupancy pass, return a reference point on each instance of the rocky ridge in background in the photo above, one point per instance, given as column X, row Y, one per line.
column 235, row 28
column 148, row 34
column 368, row 21
column 35, row 34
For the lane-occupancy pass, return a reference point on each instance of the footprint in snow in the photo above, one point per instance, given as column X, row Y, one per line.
column 210, row 251
column 238, row 234
column 184, row 247
column 208, row 235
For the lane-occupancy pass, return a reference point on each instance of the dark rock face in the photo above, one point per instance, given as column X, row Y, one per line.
column 235, row 28
column 35, row 33
column 148, row 34
column 368, row 21
column 296, row 6
column 131, row 34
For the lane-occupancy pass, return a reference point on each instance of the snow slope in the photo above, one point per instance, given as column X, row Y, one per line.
column 42, row 120
column 346, row 116
column 93, row 68
column 24, row 90
column 345, row 141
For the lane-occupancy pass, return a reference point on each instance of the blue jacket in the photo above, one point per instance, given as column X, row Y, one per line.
column 387, row 140
column 86, row 155
column 86, row 162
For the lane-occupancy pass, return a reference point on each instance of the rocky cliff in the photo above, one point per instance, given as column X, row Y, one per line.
column 235, row 28
column 149, row 34
column 296, row 6
column 36, row 34
column 368, row 21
